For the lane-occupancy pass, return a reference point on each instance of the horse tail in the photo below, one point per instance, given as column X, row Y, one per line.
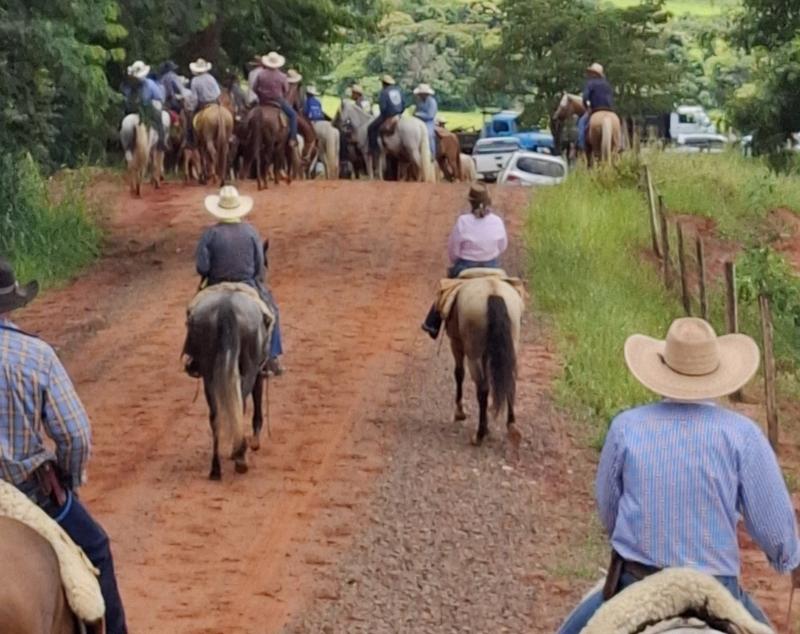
column 222, row 145
column 607, row 139
column 427, row 171
column 501, row 356
column 226, row 386
column 332, row 159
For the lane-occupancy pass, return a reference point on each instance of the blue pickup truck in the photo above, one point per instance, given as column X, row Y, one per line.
column 504, row 124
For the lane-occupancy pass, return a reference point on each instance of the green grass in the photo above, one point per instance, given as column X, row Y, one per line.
column 689, row 7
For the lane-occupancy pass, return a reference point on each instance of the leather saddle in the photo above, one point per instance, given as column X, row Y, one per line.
column 389, row 126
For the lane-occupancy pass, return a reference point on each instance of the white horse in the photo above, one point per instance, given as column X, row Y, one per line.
column 329, row 138
column 140, row 145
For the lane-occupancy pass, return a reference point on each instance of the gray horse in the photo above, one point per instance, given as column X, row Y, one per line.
column 227, row 340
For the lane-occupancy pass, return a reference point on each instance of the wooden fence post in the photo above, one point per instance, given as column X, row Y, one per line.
column 687, row 300
column 701, row 269
column 651, row 201
column 665, row 242
column 769, row 372
column 732, row 309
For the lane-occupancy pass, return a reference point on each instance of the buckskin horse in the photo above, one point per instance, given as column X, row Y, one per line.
column 32, row 599
column 214, row 129
column 483, row 326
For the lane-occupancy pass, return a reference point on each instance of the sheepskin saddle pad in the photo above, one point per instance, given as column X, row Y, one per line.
column 232, row 287
column 671, row 594
column 448, row 288
column 78, row 575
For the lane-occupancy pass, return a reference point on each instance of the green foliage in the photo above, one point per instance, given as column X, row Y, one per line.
column 46, row 239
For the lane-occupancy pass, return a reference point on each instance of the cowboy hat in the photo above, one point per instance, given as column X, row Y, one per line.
column 693, row 363
column 597, row 69
column 356, row 89
column 138, row 69
column 479, row 194
column 312, row 90
column 273, row 60
column 424, row 89
column 228, row 204
column 200, row 66
column 12, row 295
column 388, row 80
column 167, row 67
column 293, row 77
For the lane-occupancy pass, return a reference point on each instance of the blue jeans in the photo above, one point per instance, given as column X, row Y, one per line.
column 292, row 116
column 585, row 611
column 90, row 536
column 583, row 124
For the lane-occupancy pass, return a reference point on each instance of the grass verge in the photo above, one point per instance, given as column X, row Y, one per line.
column 47, row 237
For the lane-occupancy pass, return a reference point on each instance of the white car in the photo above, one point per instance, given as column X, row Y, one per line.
column 711, row 143
column 492, row 155
column 533, row 168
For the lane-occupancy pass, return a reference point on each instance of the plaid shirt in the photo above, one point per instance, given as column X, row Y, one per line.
column 37, row 399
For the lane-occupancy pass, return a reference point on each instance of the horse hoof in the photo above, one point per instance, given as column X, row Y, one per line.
column 255, row 443
column 476, row 440
column 241, row 467
column 215, row 475
column 459, row 416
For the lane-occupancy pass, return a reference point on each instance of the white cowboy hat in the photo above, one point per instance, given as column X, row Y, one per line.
column 293, row 77
column 597, row 69
column 356, row 89
column 138, row 69
column 692, row 364
column 312, row 90
column 424, row 89
column 200, row 66
column 229, row 205
column 388, row 79
column 273, row 60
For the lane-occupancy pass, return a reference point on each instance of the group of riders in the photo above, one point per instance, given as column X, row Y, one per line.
column 674, row 476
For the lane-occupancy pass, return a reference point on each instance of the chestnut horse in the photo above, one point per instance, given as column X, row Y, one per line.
column 214, row 129
column 448, row 154
column 267, row 144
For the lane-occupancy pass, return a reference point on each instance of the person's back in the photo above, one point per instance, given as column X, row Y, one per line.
column 229, row 252
column 150, row 91
column 206, row 89
column 478, row 239
column 391, row 101
column 313, row 109
column 599, row 94
column 271, row 86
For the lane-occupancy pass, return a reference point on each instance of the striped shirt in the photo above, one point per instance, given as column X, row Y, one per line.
column 37, row 399
column 674, row 479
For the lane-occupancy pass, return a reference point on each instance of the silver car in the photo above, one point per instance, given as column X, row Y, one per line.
column 533, row 168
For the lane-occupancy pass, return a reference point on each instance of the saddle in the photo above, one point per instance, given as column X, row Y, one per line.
column 231, row 287
column 389, row 127
column 449, row 288
column 78, row 575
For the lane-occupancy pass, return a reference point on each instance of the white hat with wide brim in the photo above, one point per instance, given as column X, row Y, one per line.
column 200, row 66
column 228, row 204
column 139, row 70
column 312, row 90
column 424, row 89
column 273, row 60
column 692, row 364
column 597, row 69
column 293, row 77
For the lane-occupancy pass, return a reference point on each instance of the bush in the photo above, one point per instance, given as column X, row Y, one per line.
column 46, row 238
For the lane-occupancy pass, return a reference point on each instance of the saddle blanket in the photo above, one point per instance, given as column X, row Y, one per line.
column 668, row 594
column 78, row 575
column 449, row 288
column 232, row 287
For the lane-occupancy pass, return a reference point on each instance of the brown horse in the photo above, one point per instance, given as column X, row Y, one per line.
column 305, row 129
column 32, row 599
column 268, row 144
column 214, row 128
column 603, row 137
column 570, row 107
column 448, row 154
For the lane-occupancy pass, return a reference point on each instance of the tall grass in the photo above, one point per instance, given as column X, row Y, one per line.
column 48, row 238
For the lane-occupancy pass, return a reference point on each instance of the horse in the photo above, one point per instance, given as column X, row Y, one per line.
column 214, row 129
column 484, row 328
column 406, row 139
column 569, row 107
column 32, row 599
column 603, row 137
column 140, row 144
column 353, row 123
column 268, row 144
column 448, row 154
column 227, row 340
column 329, row 144
column 469, row 173
column 306, row 130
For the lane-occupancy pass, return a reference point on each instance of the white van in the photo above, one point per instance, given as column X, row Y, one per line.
column 688, row 120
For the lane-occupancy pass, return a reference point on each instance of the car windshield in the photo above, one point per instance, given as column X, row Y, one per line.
column 540, row 167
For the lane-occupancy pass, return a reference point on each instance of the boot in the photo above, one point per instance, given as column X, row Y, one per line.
column 433, row 323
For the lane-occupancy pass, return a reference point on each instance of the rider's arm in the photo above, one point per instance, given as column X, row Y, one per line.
column 258, row 256
column 502, row 242
column 765, row 504
column 608, row 485
column 66, row 422
column 587, row 95
column 203, row 255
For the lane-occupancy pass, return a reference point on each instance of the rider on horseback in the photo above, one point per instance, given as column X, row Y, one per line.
column 676, row 475
column 427, row 109
column 357, row 95
column 598, row 94
column 232, row 251
column 391, row 105
column 272, row 89
column 477, row 241
column 204, row 86
column 174, row 89
column 38, row 400
column 147, row 99
column 313, row 106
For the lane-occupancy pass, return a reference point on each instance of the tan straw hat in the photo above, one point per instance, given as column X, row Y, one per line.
column 692, row 364
column 388, row 79
column 356, row 89
column 273, row 60
column 200, row 67
column 293, row 76
column 424, row 89
column 139, row 69
column 597, row 69
column 312, row 90
column 229, row 205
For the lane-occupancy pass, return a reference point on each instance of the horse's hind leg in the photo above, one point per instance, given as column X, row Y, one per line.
column 482, row 389
column 216, row 472
column 514, row 435
column 258, row 412
column 458, row 355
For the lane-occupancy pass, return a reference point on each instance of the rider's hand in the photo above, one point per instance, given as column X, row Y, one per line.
column 796, row 577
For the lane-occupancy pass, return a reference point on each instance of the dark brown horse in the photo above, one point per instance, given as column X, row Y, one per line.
column 267, row 144
column 306, row 130
column 32, row 599
column 448, row 154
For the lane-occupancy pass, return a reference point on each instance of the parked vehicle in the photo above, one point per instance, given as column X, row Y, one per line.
column 689, row 120
column 692, row 143
column 533, row 168
column 492, row 155
column 503, row 124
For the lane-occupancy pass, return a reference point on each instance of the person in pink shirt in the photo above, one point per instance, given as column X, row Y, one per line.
column 477, row 240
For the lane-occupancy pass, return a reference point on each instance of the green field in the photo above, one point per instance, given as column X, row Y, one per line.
column 689, row 7
column 474, row 119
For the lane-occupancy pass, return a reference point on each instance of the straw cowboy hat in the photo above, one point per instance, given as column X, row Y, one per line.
column 273, row 60
column 12, row 295
column 388, row 80
column 479, row 194
column 424, row 89
column 356, row 89
column 200, row 67
column 597, row 69
column 312, row 90
column 293, row 76
column 693, row 363
column 138, row 69
column 229, row 205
